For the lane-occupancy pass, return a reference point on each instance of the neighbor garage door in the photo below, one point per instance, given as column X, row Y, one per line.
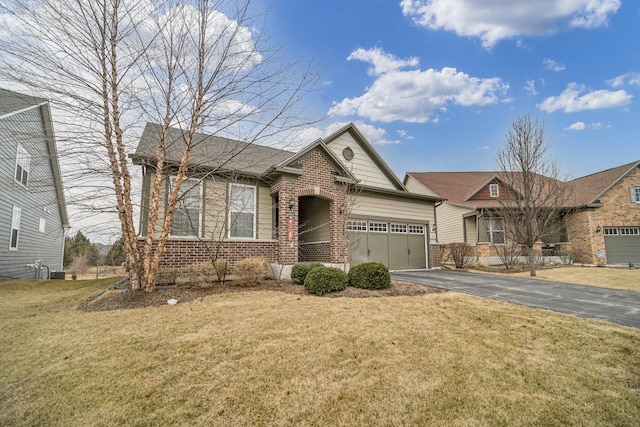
column 622, row 244
column 398, row 245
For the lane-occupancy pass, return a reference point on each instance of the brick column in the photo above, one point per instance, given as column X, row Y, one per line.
column 339, row 239
column 287, row 249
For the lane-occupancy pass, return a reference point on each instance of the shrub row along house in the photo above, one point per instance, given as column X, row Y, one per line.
column 33, row 214
column 335, row 201
column 600, row 219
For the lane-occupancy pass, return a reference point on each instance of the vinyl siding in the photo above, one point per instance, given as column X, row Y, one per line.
column 265, row 213
column 471, row 229
column 37, row 201
column 392, row 208
column 416, row 186
column 362, row 166
column 450, row 222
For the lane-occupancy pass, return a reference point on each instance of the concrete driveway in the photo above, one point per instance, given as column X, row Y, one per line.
column 617, row 306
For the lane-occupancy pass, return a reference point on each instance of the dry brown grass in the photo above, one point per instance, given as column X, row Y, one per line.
column 270, row 358
column 607, row 277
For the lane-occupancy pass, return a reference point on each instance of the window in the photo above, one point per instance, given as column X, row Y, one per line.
column 630, row 231
column 378, row 227
column 15, row 228
column 416, row 229
column 356, row 225
column 187, row 215
column 23, row 161
column 42, row 226
column 242, row 211
column 495, row 230
column 494, row 190
column 635, row 194
column 609, row 231
column 399, row 228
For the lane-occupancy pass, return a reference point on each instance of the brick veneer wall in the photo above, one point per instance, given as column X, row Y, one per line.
column 181, row 253
column 617, row 211
column 436, row 254
column 315, row 252
column 316, row 180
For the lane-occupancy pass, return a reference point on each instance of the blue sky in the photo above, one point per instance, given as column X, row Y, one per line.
column 435, row 84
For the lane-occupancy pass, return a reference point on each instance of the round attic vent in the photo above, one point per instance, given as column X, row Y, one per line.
column 347, row 153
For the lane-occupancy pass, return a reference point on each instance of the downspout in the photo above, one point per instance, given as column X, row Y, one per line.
column 480, row 215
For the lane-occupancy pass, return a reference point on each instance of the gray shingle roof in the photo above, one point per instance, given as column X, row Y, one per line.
column 12, row 101
column 210, row 152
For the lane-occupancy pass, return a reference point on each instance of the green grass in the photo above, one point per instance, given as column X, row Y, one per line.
column 270, row 358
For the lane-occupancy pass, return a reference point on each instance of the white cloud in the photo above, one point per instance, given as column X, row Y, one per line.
column 530, row 87
column 576, row 126
column 582, row 126
column 375, row 135
column 495, row 20
column 552, row 65
column 632, row 78
column 413, row 95
column 381, row 61
column 570, row 100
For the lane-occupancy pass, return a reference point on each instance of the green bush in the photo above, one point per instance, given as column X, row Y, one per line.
column 370, row 275
column 322, row 280
column 300, row 270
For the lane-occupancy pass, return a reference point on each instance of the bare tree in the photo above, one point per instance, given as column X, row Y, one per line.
column 109, row 66
column 538, row 195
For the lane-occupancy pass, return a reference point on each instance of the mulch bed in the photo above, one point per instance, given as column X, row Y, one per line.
column 120, row 300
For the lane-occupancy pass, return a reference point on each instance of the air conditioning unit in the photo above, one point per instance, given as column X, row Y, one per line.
column 57, row 275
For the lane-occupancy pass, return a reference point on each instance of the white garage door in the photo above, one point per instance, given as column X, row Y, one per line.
column 398, row 245
column 622, row 244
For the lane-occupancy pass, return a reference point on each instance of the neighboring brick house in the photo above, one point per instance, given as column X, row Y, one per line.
column 606, row 226
column 335, row 201
column 33, row 214
column 602, row 221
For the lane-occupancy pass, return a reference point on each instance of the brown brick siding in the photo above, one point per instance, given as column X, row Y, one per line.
column 315, row 252
column 617, row 211
column 181, row 253
column 436, row 254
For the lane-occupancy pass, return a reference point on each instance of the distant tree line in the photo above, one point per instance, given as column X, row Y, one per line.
column 78, row 249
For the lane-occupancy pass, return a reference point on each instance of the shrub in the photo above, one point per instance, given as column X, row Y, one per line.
column 300, row 270
column 370, row 275
column 252, row 269
column 460, row 253
column 322, row 280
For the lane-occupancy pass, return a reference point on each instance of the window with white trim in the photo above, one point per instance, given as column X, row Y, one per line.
column 242, row 211
column 494, row 190
column 378, row 227
column 23, row 164
column 399, row 228
column 495, row 230
column 610, row 231
column 15, row 228
column 629, row 231
column 416, row 229
column 635, row 194
column 187, row 216
column 353, row 225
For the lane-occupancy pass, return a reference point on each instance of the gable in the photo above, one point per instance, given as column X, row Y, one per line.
column 368, row 169
column 415, row 186
column 485, row 192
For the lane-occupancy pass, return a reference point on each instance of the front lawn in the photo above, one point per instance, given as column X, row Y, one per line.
column 273, row 358
column 606, row 277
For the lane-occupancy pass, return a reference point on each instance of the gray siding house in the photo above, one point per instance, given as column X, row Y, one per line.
column 33, row 215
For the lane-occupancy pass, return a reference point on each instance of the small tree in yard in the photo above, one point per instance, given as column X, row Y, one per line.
column 199, row 66
column 538, row 195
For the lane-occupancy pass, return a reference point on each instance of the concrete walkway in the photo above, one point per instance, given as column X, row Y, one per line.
column 617, row 306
